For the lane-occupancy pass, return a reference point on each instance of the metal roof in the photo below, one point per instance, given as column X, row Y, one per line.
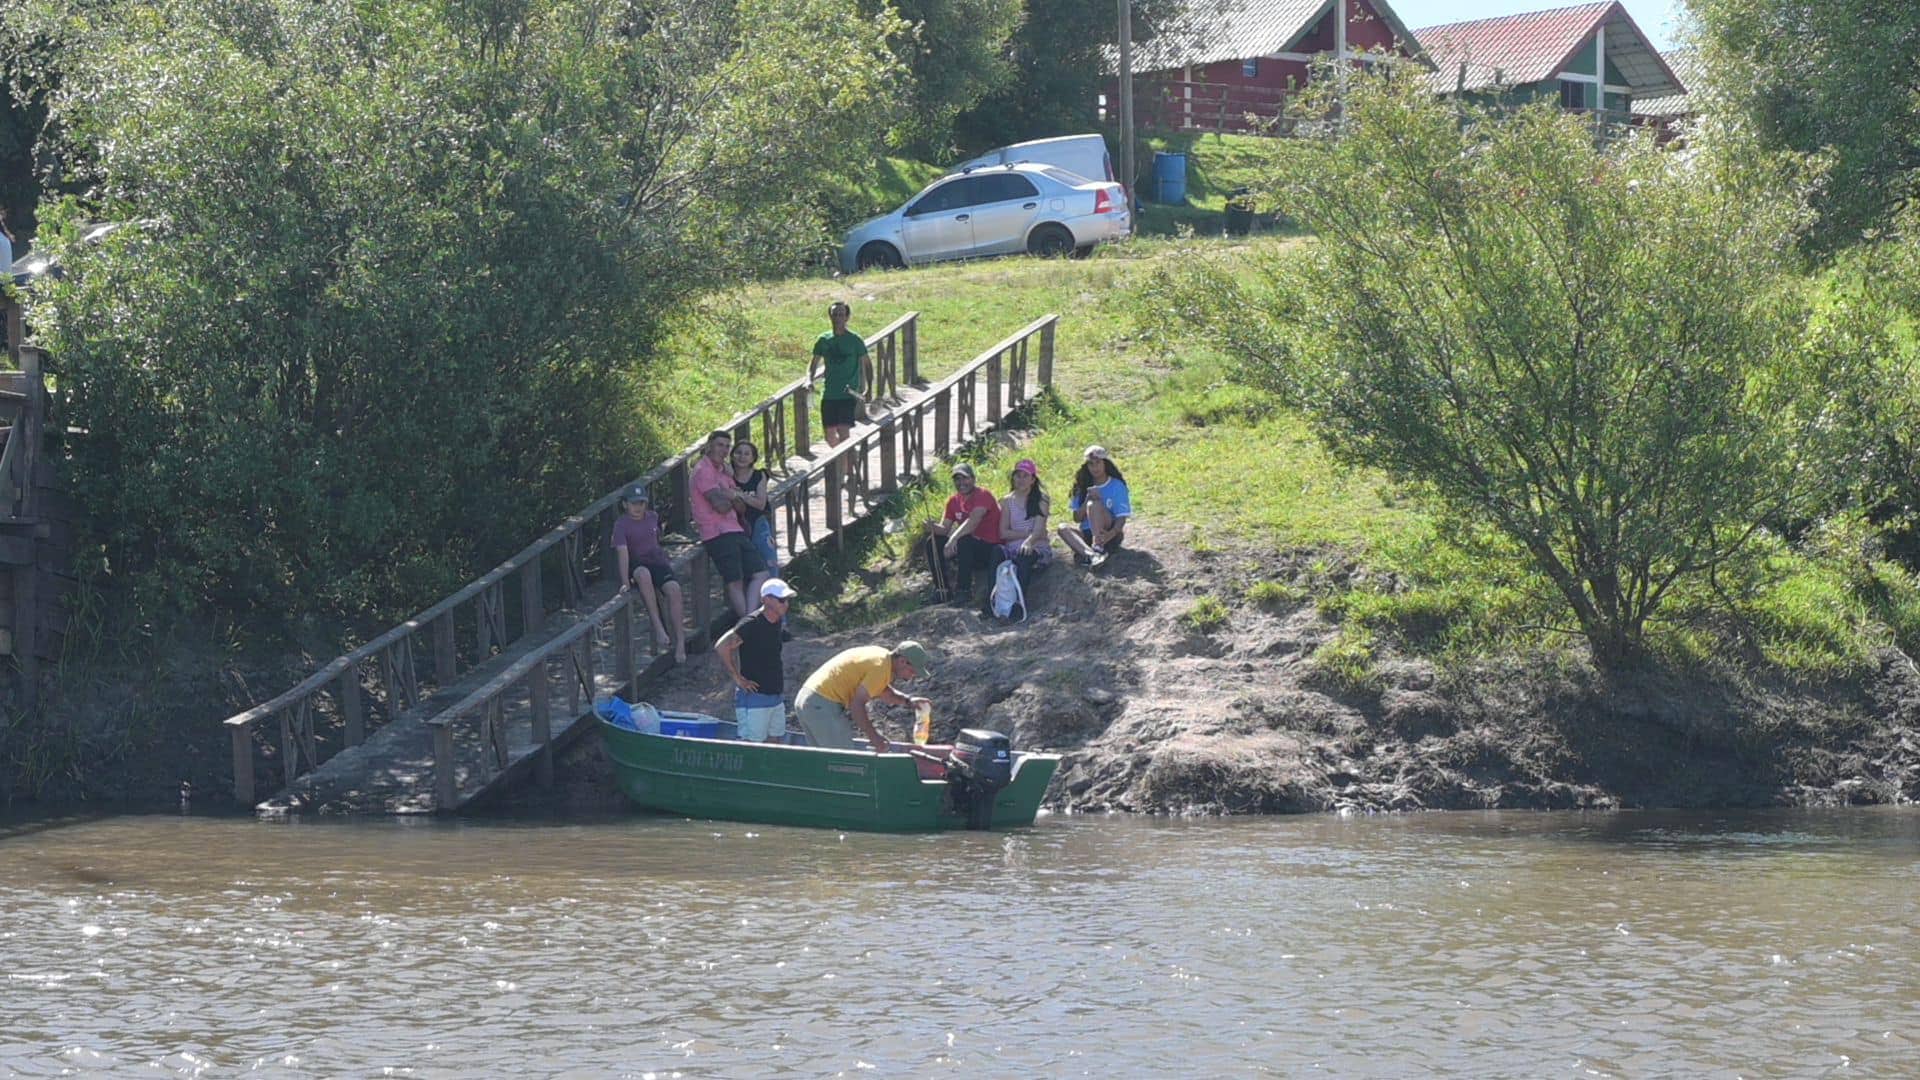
column 1534, row 46
column 1209, row 31
column 1684, row 63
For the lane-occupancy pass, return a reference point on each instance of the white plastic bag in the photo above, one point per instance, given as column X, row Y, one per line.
column 1007, row 593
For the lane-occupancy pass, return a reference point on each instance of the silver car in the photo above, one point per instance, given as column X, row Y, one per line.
column 992, row 211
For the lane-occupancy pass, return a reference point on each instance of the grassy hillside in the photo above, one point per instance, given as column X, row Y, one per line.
column 1223, row 465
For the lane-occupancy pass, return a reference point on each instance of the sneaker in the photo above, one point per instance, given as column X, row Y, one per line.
column 1082, row 560
column 1098, row 560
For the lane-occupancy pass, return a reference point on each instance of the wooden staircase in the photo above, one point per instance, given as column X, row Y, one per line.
column 36, row 517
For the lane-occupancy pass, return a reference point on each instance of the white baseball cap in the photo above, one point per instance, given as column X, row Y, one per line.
column 776, row 588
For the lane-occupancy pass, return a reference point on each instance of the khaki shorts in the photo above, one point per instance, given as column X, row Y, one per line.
column 825, row 721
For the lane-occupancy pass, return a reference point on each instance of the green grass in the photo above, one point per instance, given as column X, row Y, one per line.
column 1208, row 613
column 1217, row 165
column 1219, row 464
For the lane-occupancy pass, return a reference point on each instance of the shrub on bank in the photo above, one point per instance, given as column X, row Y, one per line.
column 396, row 266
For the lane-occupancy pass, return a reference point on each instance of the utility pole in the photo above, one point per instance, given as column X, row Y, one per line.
column 1127, row 173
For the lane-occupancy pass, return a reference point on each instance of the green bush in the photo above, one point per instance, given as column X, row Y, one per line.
column 400, row 266
column 1600, row 354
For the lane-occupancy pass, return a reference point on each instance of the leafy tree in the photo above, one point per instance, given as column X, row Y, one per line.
column 1600, row 352
column 1824, row 75
column 1061, row 64
column 955, row 52
column 396, row 267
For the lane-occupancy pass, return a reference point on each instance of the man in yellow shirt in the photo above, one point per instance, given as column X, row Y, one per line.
column 835, row 698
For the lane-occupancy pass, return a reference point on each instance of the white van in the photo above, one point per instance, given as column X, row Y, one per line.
column 1083, row 154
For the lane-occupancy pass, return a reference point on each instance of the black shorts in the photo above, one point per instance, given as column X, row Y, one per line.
column 1113, row 545
column 837, row 412
column 734, row 555
column 661, row 573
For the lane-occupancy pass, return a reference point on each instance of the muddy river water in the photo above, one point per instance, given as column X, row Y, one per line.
column 1521, row 944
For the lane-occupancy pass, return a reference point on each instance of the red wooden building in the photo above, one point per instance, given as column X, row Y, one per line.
column 1229, row 65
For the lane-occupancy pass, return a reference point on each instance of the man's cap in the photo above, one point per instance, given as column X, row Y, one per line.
column 636, row 493
column 776, row 588
column 1098, row 451
column 1027, row 466
column 915, row 654
column 963, row 469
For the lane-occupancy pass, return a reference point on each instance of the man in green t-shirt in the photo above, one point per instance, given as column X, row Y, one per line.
column 849, row 374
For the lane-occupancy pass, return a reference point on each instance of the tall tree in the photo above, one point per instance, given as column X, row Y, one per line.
column 393, row 265
column 955, row 53
column 1600, row 352
column 1062, row 60
column 1824, row 75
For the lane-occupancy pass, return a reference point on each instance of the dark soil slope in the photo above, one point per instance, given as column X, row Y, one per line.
column 1156, row 716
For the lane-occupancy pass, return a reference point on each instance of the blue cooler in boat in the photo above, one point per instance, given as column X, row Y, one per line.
column 691, row 725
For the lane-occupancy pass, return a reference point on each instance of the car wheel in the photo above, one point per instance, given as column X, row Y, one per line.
column 1050, row 242
column 879, row 256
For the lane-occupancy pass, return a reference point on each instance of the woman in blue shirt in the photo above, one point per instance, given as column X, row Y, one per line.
column 1101, row 506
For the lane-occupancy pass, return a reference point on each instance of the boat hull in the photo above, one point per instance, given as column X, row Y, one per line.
column 805, row 785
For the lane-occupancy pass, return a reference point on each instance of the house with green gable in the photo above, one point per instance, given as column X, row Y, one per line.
column 1591, row 58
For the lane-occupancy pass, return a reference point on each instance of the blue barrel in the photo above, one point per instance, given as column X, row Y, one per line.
column 1169, row 177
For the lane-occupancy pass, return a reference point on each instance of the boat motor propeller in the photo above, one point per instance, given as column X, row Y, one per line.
column 980, row 764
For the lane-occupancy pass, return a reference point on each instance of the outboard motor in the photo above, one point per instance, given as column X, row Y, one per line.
column 980, row 764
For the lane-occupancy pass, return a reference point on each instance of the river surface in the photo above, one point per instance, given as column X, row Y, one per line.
column 1505, row 944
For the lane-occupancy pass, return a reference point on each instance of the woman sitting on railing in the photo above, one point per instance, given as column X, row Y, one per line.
column 644, row 565
column 754, row 493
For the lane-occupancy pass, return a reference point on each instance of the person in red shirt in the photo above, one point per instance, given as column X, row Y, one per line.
column 968, row 535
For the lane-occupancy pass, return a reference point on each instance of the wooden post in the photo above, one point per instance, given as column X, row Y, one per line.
column 942, row 422
column 242, row 764
column 836, row 479
column 910, row 349
column 304, row 722
column 802, row 423
column 623, row 665
column 497, row 732
column 540, row 710
column 446, row 793
column 702, row 599
column 533, row 605
column 446, row 665
column 889, row 469
column 289, row 750
column 682, row 510
column 1046, row 352
column 352, row 711
column 993, row 388
column 483, row 626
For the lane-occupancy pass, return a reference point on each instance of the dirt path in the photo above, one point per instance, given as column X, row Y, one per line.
column 1158, row 717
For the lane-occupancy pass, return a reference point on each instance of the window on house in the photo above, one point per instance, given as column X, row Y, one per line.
column 1575, row 95
column 1250, row 68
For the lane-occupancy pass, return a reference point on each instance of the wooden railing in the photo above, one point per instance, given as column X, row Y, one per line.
column 488, row 604
column 1181, row 105
column 1000, row 374
column 23, row 396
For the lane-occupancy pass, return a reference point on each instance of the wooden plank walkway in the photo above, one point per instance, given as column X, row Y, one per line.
column 500, row 722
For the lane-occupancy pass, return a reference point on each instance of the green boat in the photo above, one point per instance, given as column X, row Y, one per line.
column 979, row 782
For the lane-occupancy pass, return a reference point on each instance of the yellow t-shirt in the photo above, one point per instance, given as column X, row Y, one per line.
column 870, row 666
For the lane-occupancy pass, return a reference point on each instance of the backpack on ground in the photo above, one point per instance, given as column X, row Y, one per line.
column 1007, row 593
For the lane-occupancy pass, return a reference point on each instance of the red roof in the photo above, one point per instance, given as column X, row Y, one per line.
column 1536, row 45
column 1208, row 31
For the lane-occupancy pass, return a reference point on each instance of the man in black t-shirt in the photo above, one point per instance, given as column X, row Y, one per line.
column 751, row 654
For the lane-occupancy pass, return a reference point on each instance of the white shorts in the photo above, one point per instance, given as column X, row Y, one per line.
column 756, row 725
